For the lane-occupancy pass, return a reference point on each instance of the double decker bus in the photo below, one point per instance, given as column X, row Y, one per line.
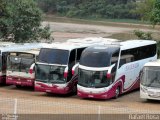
column 57, row 68
column 20, row 68
column 150, row 81
column 106, row 71
column 5, row 48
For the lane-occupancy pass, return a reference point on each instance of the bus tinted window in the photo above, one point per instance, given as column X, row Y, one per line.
column 95, row 59
column 53, row 56
column 25, row 64
column 126, row 59
column 115, row 57
column 138, row 53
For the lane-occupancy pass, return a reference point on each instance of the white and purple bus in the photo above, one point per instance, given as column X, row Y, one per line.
column 106, row 71
column 150, row 81
column 57, row 68
column 20, row 68
column 5, row 48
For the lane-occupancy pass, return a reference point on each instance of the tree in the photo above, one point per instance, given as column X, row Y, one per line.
column 90, row 8
column 20, row 21
column 155, row 19
column 144, row 9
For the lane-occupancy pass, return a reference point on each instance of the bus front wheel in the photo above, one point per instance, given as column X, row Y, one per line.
column 74, row 89
column 117, row 92
column 18, row 86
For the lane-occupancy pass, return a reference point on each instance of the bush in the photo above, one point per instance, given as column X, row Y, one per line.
column 143, row 35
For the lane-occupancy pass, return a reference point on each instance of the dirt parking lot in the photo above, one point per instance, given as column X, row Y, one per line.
column 62, row 32
column 41, row 102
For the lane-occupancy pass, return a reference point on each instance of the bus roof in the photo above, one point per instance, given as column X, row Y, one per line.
column 112, row 47
column 128, row 44
column 32, row 51
column 81, row 42
column 6, row 44
column 153, row 63
column 135, row 43
column 21, row 47
column 101, row 48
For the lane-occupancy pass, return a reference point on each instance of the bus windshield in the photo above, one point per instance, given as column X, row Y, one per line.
column 26, row 64
column 95, row 79
column 95, row 59
column 54, row 56
column 13, row 63
column 50, row 74
column 20, row 63
column 151, row 77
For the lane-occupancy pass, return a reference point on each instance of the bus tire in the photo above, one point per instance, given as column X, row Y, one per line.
column 117, row 92
column 74, row 89
column 18, row 86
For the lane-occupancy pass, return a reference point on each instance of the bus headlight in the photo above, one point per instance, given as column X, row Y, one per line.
column 143, row 89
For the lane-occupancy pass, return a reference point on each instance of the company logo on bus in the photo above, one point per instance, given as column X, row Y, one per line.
column 132, row 66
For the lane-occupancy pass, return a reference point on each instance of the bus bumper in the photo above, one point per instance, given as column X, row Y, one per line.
column 149, row 93
column 106, row 94
column 91, row 95
column 20, row 81
column 52, row 89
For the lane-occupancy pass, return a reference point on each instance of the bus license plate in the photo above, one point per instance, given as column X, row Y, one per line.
column 48, row 90
column 18, row 83
column 91, row 96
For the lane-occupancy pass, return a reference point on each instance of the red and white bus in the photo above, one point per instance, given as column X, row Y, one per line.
column 5, row 48
column 106, row 71
column 20, row 68
column 57, row 68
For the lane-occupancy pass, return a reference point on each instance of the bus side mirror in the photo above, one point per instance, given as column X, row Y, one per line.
column 109, row 74
column 31, row 70
column 65, row 72
column 75, row 69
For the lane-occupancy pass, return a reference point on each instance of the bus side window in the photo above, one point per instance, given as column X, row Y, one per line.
column 4, row 61
column 122, row 62
column 126, row 59
column 114, row 58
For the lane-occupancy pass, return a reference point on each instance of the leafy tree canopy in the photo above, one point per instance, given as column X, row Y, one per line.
column 144, row 9
column 155, row 19
column 121, row 9
column 20, row 21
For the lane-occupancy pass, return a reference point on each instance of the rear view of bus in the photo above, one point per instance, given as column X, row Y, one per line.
column 150, row 81
column 20, row 68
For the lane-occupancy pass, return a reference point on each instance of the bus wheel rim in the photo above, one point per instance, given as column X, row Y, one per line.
column 117, row 92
